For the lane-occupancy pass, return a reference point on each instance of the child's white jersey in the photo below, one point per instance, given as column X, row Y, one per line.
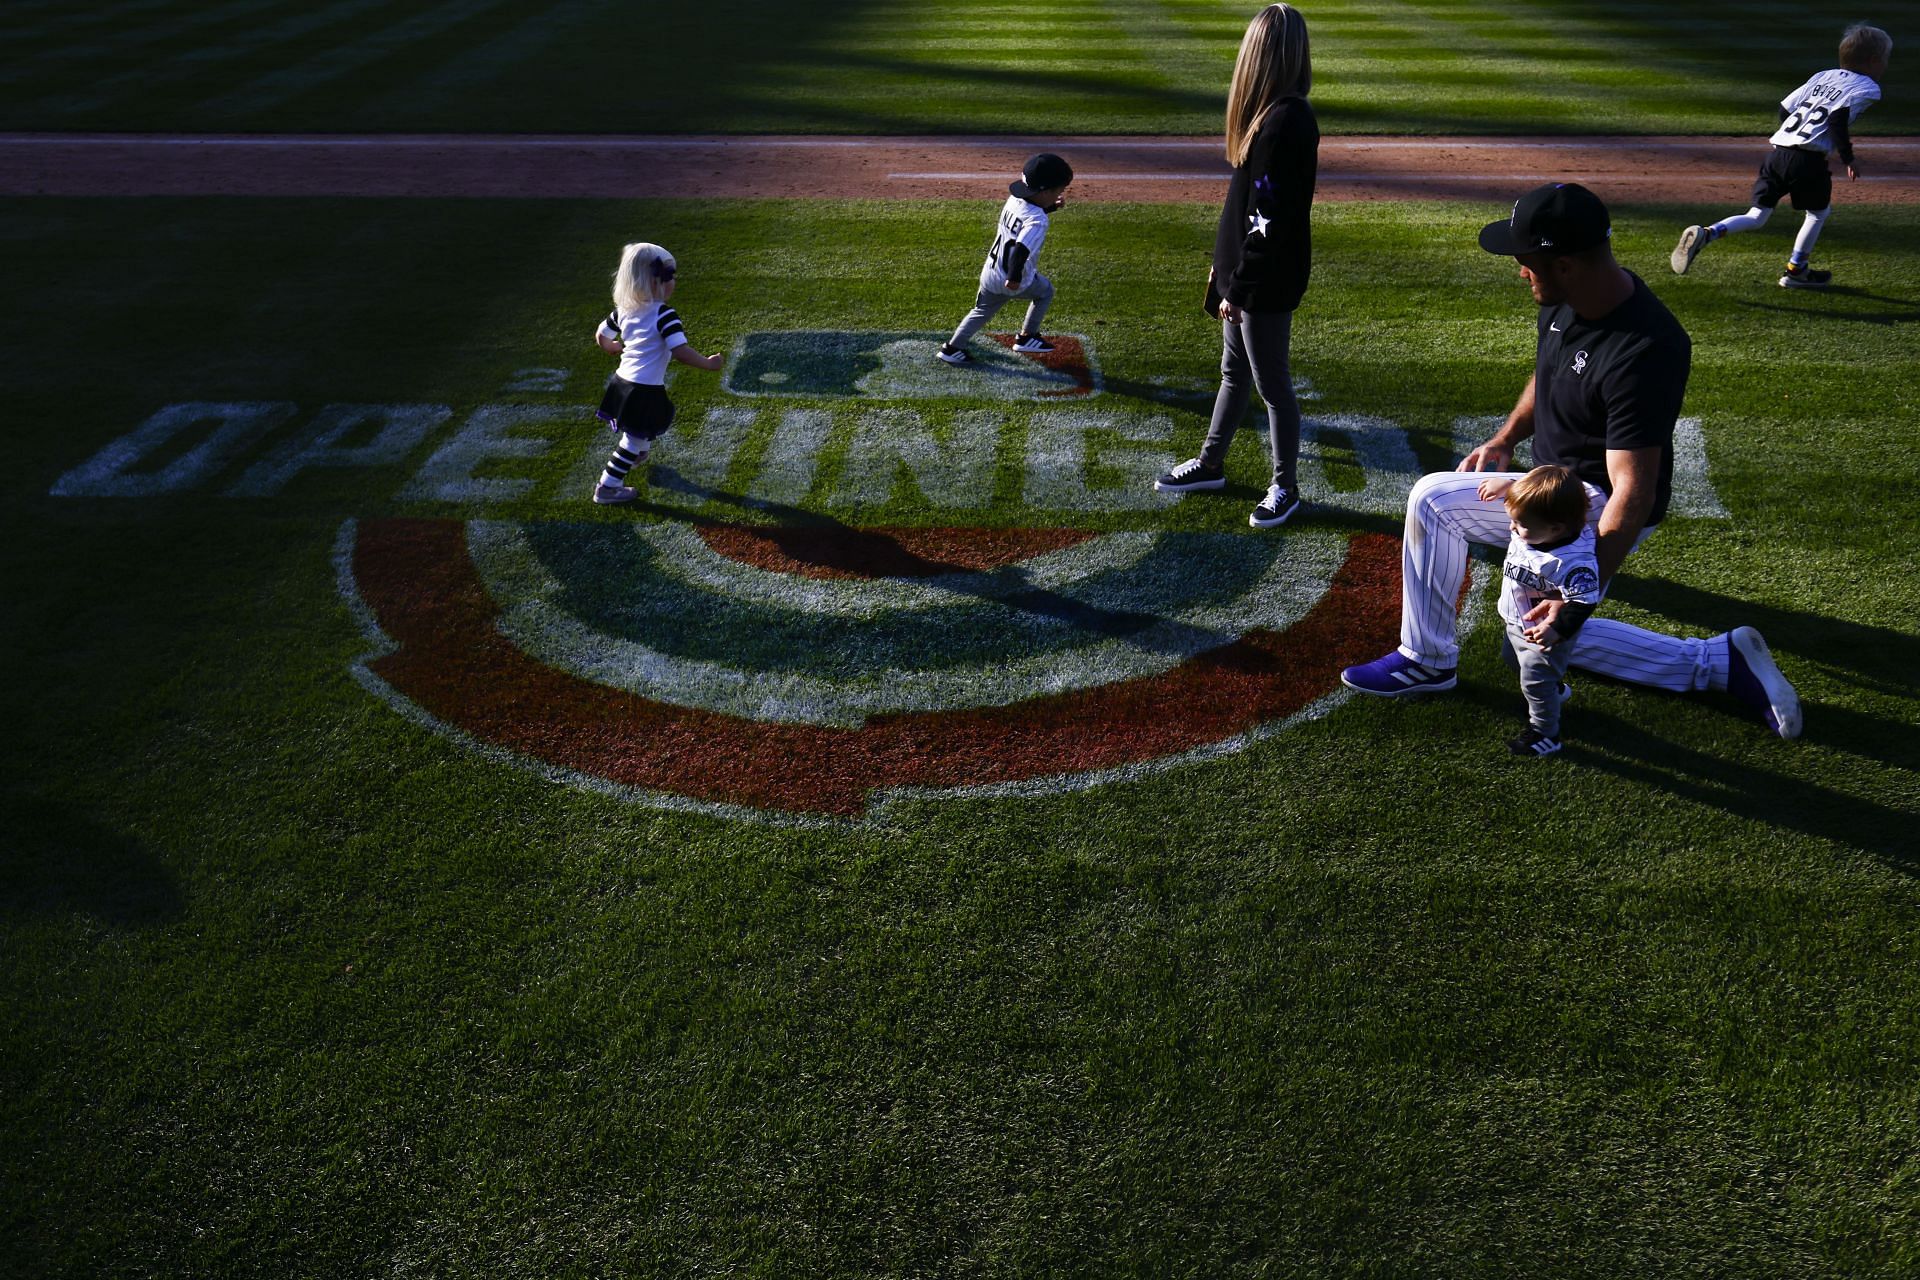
column 1810, row 108
column 647, row 337
column 1022, row 227
column 1569, row 572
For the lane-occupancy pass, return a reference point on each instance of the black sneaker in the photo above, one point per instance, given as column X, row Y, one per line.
column 1532, row 742
column 1279, row 506
column 1800, row 277
column 1190, row 475
column 951, row 356
column 1032, row 344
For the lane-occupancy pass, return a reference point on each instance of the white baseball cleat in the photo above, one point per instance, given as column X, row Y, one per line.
column 1753, row 678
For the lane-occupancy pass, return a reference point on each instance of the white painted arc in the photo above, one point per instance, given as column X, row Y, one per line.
column 526, row 593
column 685, row 555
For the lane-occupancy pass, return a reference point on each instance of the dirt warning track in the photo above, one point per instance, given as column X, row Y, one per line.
column 1108, row 168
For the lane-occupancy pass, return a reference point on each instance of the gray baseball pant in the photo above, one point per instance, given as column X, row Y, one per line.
column 1445, row 514
column 1541, row 672
column 991, row 298
column 1253, row 355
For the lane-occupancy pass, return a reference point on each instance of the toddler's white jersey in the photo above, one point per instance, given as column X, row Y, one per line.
column 1567, row 572
column 647, row 336
column 1021, row 231
column 1810, row 108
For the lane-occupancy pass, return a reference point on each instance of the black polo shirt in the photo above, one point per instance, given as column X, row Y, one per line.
column 1611, row 383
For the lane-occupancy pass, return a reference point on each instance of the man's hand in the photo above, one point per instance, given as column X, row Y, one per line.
column 1543, row 616
column 1230, row 313
column 1853, row 172
column 1491, row 456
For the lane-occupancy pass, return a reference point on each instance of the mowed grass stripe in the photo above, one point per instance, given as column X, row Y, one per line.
column 888, row 66
column 61, row 64
column 294, row 35
column 266, row 93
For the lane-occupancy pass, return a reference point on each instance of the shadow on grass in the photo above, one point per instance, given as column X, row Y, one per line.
column 60, row 863
column 1146, row 631
column 1909, row 316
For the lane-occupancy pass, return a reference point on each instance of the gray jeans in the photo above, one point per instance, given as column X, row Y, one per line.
column 1254, row 356
column 1541, row 673
column 991, row 298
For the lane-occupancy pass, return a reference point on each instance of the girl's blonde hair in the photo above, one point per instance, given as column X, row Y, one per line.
column 638, row 281
column 1274, row 63
column 1862, row 46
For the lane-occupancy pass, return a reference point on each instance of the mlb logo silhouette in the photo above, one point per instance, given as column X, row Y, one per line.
column 852, row 364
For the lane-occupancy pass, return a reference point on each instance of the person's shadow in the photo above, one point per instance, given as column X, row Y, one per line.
column 58, row 862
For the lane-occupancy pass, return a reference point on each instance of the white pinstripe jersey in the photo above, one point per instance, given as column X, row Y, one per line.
column 1568, row 572
column 647, row 337
column 1810, row 107
column 1022, row 222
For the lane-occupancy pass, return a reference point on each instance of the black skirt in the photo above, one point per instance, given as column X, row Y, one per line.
column 636, row 408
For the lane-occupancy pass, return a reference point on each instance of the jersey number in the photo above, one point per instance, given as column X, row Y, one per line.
column 1805, row 120
column 1003, row 245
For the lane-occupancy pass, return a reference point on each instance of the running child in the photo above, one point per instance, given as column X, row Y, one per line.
column 1009, row 272
column 1551, row 555
column 644, row 332
column 1814, row 121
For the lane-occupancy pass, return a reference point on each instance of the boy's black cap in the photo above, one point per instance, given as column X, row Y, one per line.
column 1042, row 173
column 1561, row 217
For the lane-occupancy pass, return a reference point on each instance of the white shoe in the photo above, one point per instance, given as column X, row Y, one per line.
column 1755, row 679
column 1692, row 241
column 608, row 495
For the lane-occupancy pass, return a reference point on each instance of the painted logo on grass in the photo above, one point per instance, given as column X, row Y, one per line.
column 821, row 671
column 870, row 365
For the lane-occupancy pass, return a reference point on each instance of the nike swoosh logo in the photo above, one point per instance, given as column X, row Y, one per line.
column 1554, row 327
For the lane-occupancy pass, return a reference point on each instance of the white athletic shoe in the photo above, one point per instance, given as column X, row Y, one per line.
column 1692, row 241
column 608, row 495
column 1754, row 678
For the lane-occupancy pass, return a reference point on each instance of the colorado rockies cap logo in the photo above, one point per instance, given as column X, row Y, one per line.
column 1579, row 362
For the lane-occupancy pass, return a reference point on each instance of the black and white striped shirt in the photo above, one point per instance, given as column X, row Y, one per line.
column 647, row 337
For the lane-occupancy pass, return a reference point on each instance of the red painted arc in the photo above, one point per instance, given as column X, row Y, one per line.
column 451, row 660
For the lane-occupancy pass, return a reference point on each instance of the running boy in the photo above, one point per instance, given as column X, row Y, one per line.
column 1551, row 556
column 1814, row 121
column 1009, row 271
column 645, row 333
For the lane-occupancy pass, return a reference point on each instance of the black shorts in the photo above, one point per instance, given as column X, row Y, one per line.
column 639, row 409
column 1789, row 171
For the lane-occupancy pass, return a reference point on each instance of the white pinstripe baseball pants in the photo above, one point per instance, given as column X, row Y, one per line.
column 1444, row 514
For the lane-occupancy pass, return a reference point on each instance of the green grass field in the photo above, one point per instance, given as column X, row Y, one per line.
column 300, row 987
column 1052, row 66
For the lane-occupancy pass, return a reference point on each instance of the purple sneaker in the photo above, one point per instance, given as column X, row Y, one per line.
column 1396, row 676
column 1753, row 678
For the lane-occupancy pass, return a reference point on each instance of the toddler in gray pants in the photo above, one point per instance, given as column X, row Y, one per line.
column 1550, row 556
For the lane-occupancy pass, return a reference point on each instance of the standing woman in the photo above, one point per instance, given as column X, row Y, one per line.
column 1261, row 256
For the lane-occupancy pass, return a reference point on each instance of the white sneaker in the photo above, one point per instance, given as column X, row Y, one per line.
column 613, row 494
column 1692, row 241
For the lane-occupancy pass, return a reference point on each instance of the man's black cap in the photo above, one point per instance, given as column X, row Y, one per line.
column 1043, row 173
column 1561, row 217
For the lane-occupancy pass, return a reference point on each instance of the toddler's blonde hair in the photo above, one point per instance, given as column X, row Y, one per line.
column 1548, row 495
column 1862, row 46
column 636, row 283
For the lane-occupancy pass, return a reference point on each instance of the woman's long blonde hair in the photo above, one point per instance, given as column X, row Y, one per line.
column 1274, row 63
